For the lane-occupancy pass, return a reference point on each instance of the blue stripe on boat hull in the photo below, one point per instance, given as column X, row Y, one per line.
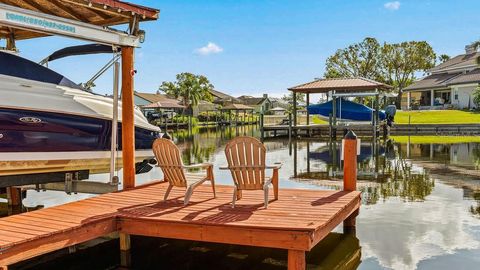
column 61, row 132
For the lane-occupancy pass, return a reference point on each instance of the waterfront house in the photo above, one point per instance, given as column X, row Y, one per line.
column 260, row 104
column 448, row 85
column 143, row 99
column 223, row 99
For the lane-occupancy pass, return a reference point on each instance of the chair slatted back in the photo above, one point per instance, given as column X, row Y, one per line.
column 170, row 161
column 246, row 161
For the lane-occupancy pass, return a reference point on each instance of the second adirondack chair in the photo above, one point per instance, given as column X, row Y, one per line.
column 170, row 161
column 246, row 161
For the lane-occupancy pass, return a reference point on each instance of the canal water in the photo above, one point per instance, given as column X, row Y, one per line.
column 421, row 208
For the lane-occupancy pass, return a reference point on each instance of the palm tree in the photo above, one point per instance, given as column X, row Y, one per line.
column 190, row 88
column 475, row 45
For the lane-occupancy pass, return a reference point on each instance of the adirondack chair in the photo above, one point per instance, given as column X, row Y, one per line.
column 169, row 160
column 246, row 162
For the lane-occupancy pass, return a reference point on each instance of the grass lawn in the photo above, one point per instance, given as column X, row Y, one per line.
column 436, row 139
column 437, row 117
column 318, row 120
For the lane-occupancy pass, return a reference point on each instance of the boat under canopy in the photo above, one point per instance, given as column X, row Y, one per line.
column 48, row 123
column 345, row 110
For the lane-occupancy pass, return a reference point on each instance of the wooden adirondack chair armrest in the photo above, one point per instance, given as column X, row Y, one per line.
column 276, row 166
column 198, row 166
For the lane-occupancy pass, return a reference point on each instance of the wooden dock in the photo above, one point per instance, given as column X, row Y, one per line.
column 297, row 221
column 366, row 130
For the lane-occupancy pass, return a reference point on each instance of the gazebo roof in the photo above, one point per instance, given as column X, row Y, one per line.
column 236, row 107
column 96, row 12
column 357, row 84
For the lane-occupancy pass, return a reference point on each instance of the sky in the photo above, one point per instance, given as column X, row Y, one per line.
column 255, row 47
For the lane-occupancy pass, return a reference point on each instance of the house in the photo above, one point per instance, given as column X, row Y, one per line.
column 448, row 85
column 223, row 99
column 143, row 99
column 260, row 104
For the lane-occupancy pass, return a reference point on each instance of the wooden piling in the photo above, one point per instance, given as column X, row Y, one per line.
column 350, row 174
column 14, row 196
column 128, row 125
column 262, row 135
column 296, row 260
column 290, row 127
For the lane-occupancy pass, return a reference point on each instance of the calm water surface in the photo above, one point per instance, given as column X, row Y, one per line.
column 421, row 209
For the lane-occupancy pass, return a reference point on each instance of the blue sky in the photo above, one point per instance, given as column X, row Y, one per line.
column 267, row 46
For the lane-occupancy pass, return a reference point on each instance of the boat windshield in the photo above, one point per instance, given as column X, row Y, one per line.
column 16, row 66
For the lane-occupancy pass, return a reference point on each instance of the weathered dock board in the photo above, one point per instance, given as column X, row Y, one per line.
column 296, row 222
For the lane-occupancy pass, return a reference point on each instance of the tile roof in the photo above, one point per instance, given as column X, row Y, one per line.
column 356, row 84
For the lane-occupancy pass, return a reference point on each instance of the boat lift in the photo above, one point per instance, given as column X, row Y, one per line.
column 43, row 24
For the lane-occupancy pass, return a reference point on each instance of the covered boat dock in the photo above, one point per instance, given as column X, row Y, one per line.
column 296, row 222
column 332, row 88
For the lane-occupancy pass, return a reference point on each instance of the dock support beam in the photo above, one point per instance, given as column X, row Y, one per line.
column 294, row 95
column 308, row 114
column 350, row 175
column 128, row 125
column 296, row 260
column 125, row 257
column 14, row 196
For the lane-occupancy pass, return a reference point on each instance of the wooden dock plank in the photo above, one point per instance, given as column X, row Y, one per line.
column 297, row 221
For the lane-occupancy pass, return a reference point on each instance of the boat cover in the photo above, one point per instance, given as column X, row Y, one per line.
column 346, row 109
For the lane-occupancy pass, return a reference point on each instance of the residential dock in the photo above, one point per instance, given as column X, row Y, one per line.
column 296, row 222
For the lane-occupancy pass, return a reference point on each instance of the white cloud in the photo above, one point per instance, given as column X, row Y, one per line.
column 395, row 5
column 210, row 48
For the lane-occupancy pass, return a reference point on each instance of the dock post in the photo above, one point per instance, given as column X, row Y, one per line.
column 296, row 260
column 262, row 134
column 128, row 111
column 308, row 114
column 350, row 175
column 290, row 128
column 125, row 257
column 14, row 196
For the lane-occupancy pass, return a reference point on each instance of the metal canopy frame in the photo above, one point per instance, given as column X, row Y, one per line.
column 20, row 18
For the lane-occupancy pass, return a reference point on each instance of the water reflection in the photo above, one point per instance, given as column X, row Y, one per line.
column 336, row 251
column 421, row 204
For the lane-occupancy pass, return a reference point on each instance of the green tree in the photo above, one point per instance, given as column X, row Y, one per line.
column 442, row 58
column 475, row 45
column 357, row 60
column 289, row 99
column 401, row 61
column 190, row 88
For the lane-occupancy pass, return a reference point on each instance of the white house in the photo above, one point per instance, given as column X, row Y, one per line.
column 448, row 85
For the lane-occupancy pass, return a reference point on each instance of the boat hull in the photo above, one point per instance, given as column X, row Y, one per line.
column 37, row 142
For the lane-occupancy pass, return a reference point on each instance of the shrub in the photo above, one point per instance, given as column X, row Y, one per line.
column 476, row 97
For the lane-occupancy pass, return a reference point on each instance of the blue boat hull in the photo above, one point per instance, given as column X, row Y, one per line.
column 34, row 131
column 346, row 110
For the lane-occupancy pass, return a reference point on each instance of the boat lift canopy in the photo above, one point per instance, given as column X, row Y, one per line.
column 89, row 21
column 29, row 21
